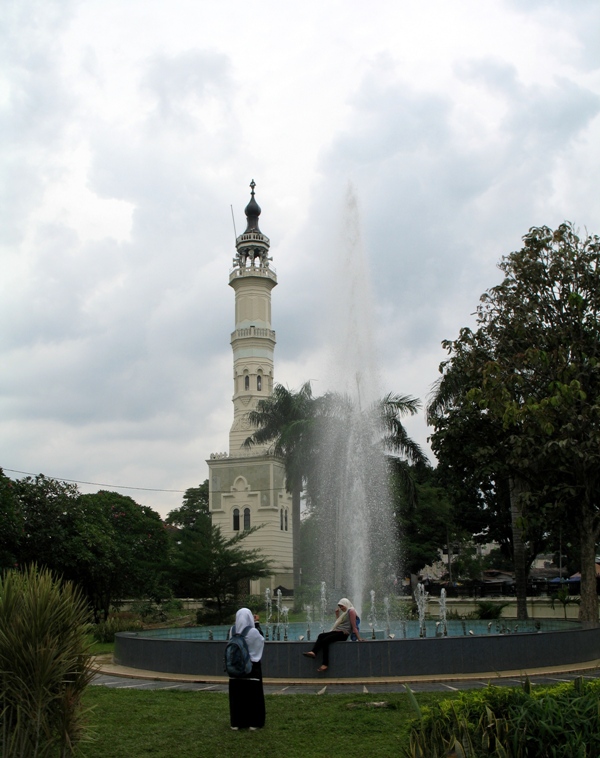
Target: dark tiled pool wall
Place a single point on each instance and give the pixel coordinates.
(374, 658)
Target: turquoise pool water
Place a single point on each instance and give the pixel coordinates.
(298, 631)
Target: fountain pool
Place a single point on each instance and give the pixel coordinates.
(479, 651)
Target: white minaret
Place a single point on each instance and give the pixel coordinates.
(247, 485)
(253, 340)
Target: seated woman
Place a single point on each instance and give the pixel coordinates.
(346, 623)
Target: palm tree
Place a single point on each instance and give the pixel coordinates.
(401, 449)
(286, 419)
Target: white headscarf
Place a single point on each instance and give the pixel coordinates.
(254, 638)
(342, 616)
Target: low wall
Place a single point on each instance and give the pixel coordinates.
(537, 607)
(376, 658)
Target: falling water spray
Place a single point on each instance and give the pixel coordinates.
(351, 499)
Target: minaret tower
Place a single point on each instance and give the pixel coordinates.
(247, 485)
(253, 340)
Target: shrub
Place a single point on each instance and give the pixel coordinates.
(153, 612)
(551, 722)
(212, 613)
(45, 665)
(105, 631)
(256, 603)
(487, 609)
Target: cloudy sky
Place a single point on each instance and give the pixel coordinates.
(130, 128)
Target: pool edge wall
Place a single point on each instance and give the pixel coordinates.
(376, 658)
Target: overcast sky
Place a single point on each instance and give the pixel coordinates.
(130, 128)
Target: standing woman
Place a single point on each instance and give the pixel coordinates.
(345, 624)
(246, 696)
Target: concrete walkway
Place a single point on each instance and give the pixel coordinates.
(113, 675)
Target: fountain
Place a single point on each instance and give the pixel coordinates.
(351, 503)
(284, 620)
(421, 598)
(348, 491)
(278, 606)
(444, 612)
(323, 604)
(411, 649)
(308, 620)
(386, 610)
(372, 614)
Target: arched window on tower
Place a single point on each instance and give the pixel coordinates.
(246, 518)
(286, 519)
(246, 382)
(259, 383)
(281, 519)
(236, 519)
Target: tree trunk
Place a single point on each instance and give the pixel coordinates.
(588, 610)
(516, 513)
(296, 498)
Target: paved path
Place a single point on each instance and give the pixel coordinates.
(119, 677)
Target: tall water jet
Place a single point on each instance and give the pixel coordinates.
(443, 612)
(421, 598)
(323, 604)
(349, 496)
(268, 609)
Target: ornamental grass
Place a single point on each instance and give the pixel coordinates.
(45, 665)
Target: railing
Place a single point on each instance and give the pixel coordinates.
(253, 237)
(252, 453)
(253, 331)
(269, 272)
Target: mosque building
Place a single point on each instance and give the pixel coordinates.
(247, 485)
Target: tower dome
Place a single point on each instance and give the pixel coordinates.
(252, 212)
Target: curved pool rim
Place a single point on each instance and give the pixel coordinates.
(575, 645)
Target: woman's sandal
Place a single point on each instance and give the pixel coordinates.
(309, 654)
(322, 668)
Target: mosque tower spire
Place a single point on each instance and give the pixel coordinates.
(253, 340)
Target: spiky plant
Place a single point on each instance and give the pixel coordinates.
(45, 665)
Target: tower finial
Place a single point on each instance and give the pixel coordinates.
(252, 211)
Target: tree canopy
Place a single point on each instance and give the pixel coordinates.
(531, 371)
(106, 543)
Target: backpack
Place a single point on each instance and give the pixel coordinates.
(237, 656)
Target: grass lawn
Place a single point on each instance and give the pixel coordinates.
(190, 724)
(101, 648)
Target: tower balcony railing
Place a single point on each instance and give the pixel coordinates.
(252, 453)
(253, 331)
(253, 237)
(269, 272)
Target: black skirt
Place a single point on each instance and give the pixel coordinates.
(247, 700)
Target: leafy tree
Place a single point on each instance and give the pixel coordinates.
(208, 565)
(122, 550)
(104, 542)
(10, 517)
(425, 521)
(473, 452)
(194, 510)
(45, 508)
(533, 367)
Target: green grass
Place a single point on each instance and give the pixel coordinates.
(196, 724)
(101, 648)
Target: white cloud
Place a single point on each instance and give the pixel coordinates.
(129, 129)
